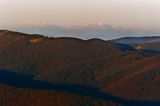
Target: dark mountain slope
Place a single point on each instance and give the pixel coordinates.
(142, 83)
(95, 72)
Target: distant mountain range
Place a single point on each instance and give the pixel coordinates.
(88, 31)
(50, 71)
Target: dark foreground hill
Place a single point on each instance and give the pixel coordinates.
(94, 68)
(11, 96)
(20, 89)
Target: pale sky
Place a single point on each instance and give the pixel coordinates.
(131, 14)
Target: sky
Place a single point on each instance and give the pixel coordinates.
(128, 14)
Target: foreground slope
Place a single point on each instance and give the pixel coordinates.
(11, 96)
(32, 92)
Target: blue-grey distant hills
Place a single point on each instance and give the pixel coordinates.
(105, 32)
(147, 43)
(137, 40)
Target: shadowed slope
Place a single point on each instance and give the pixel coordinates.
(11, 96)
(15, 79)
(142, 84)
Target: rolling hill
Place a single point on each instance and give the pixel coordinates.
(38, 53)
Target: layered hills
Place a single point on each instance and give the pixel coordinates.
(71, 67)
